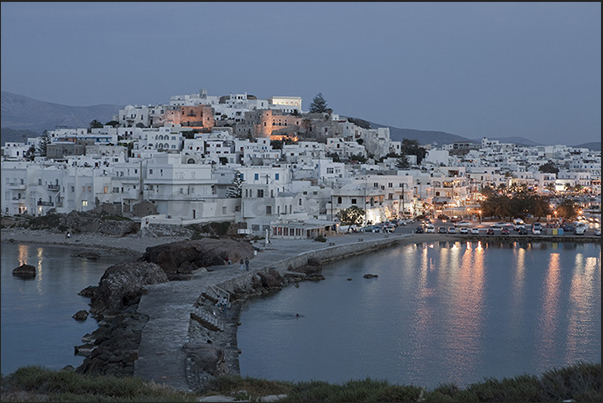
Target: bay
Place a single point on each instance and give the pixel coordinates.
(436, 313)
(37, 327)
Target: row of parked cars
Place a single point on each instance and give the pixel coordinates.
(505, 229)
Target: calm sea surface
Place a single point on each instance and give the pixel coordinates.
(37, 325)
(436, 313)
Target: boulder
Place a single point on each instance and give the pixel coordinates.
(88, 292)
(88, 255)
(270, 279)
(121, 285)
(80, 315)
(179, 258)
(25, 271)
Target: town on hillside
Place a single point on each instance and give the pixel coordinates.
(274, 169)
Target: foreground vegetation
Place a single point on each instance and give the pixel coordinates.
(578, 383)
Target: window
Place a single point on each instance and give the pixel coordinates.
(276, 176)
(354, 201)
(256, 176)
(260, 192)
(223, 210)
(339, 200)
(84, 203)
(268, 210)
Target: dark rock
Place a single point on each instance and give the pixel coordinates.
(25, 271)
(314, 261)
(88, 292)
(80, 315)
(84, 350)
(183, 257)
(121, 285)
(88, 255)
(370, 276)
(271, 279)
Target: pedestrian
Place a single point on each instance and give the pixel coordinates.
(242, 266)
(246, 264)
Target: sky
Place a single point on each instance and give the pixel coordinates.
(493, 70)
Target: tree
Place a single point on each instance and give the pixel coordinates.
(353, 215)
(30, 154)
(411, 147)
(319, 104)
(402, 162)
(234, 191)
(113, 123)
(548, 168)
(44, 142)
(567, 209)
(95, 124)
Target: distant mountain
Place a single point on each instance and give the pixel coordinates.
(593, 145)
(522, 141)
(22, 113)
(423, 137)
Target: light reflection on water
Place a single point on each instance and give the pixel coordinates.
(437, 313)
(37, 325)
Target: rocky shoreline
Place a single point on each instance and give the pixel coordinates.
(211, 349)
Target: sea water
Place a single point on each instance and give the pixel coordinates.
(36, 318)
(436, 313)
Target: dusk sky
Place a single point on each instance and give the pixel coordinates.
(530, 70)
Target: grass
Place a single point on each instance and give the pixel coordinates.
(579, 383)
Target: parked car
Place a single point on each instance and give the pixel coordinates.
(504, 231)
(580, 230)
(598, 232)
(536, 230)
(419, 230)
(389, 228)
(451, 230)
(430, 229)
(568, 227)
(370, 228)
(518, 221)
(441, 230)
(490, 231)
(523, 231)
(464, 230)
(475, 231)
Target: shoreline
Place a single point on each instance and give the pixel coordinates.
(133, 245)
(277, 255)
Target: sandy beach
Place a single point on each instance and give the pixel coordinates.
(129, 245)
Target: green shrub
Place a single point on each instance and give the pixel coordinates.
(320, 238)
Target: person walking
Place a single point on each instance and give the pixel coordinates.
(242, 266)
(246, 264)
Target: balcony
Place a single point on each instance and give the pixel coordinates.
(45, 203)
(54, 188)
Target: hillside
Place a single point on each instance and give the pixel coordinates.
(24, 117)
(22, 113)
